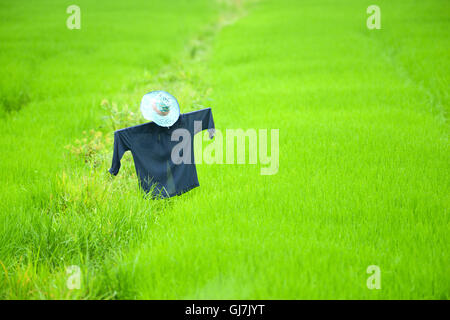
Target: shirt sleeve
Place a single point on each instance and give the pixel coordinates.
(207, 122)
(122, 143)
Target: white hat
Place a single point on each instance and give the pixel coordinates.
(160, 107)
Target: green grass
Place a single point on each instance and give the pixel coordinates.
(364, 159)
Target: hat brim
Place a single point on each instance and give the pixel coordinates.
(150, 114)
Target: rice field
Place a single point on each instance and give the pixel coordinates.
(363, 175)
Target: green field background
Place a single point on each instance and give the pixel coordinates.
(363, 174)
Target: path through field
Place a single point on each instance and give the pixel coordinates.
(363, 150)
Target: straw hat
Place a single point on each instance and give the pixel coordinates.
(160, 107)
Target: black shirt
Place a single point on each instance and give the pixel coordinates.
(151, 147)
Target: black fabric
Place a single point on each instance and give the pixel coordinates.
(151, 147)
